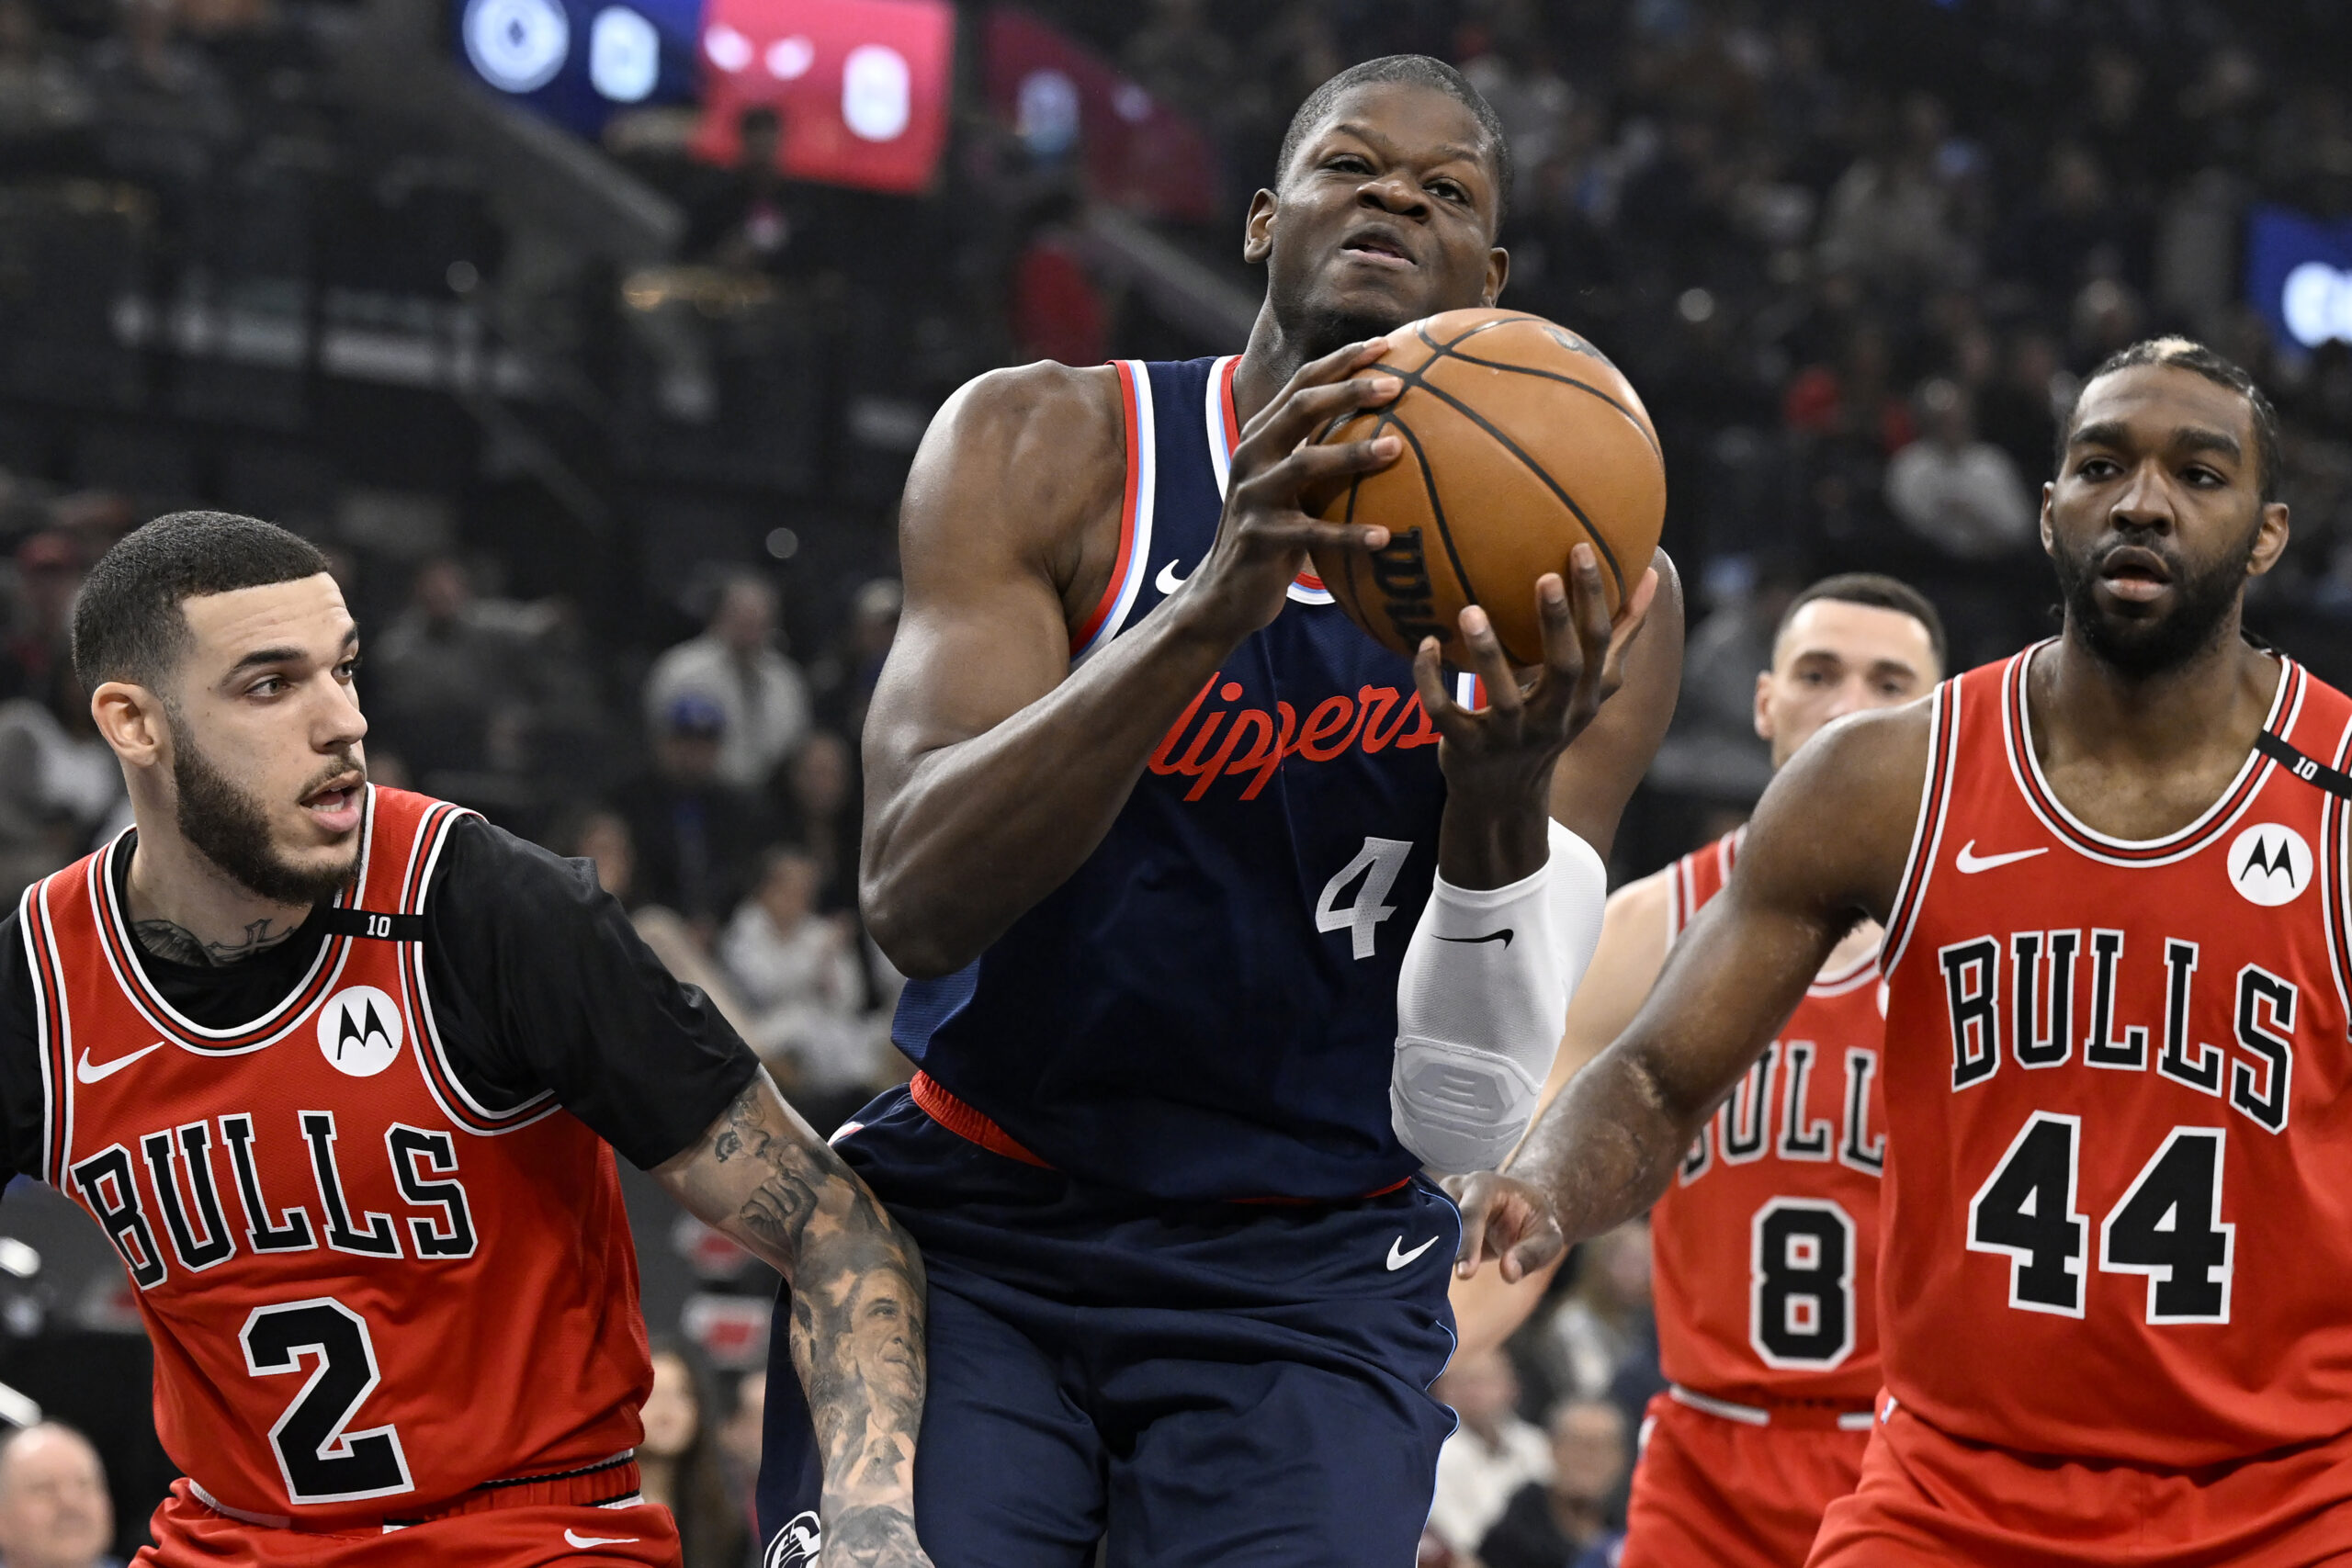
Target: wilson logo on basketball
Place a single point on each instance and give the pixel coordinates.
(1401, 575)
(1252, 743)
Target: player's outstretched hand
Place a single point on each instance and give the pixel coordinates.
(1508, 1220)
(1510, 745)
(1264, 536)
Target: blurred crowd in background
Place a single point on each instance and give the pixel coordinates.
(612, 504)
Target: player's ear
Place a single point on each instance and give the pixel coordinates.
(1257, 231)
(2270, 539)
(130, 720)
(2048, 489)
(1764, 705)
(1498, 273)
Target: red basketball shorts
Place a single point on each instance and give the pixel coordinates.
(555, 1535)
(1731, 1493)
(1926, 1497)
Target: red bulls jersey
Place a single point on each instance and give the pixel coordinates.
(367, 1294)
(2119, 1192)
(1766, 1247)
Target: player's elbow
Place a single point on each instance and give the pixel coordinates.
(913, 931)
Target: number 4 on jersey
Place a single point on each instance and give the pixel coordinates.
(1377, 864)
(2168, 1225)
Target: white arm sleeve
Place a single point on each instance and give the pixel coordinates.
(1482, 1001)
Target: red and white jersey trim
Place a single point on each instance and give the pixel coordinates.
(1683, 896)
(1927, 834)
(1127, 575)
(2025, 767)
(1224, 427)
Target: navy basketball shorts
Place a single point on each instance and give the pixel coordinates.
(1220, 1383)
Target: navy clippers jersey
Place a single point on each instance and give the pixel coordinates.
(1207, 1009)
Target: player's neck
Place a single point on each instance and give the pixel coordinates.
(2219, 697)
(1272, 357)
(184, 909)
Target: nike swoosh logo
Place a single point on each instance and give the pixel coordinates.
(587, 1541)
(1168, 582)
(1398, 1259)
(84, 1073)
(1502, 936)
(1971, 862)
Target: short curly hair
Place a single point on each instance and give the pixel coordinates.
(1422, 70)
(128, 622)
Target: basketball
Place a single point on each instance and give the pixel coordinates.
(1521, 440)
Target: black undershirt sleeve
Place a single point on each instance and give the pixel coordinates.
(20, 1086)
(539, 983)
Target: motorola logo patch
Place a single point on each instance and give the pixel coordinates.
(2269, 865)
(359, 1032)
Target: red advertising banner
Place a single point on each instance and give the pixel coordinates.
(862, 87)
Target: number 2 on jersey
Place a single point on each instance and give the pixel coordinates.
(1377, 864)
(2168, 1225)
(321, 1459)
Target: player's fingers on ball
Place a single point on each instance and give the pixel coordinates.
(1334, 460)
(1336, 365)
(1484, 650)
(1589, 599)
(1286, 532)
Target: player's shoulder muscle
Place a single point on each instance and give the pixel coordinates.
(1836, 824)
(1016, 466)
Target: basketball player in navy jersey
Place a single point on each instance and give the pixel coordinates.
(1153, 826)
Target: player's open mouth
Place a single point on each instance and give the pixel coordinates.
(335, 807)
(1376, 247)
(2135, 574)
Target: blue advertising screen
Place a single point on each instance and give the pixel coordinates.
(2299, 275)
(581, 61)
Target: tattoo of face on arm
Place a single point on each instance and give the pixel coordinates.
(858, 1297)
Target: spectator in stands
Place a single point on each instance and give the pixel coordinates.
(1959, 494)
(50, 566)
(1568, 1521)
(762, 701)
(54, 1510)
(59, 783)
(683, 1465)
(819, 813)
(1889, 215)
(845, 678)
(740, 1435)
(799, 971)
(695, 832)
(41, 96)
(1492, 1453)
(436, 676)
(1183, 59)
(601, 837)
(1602, 1343)
(752, 217)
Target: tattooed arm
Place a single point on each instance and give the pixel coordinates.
(764, 1178)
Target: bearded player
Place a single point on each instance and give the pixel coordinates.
(1178, 857)
(341, 1071)
(1766, 1244)
(2112, 874)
